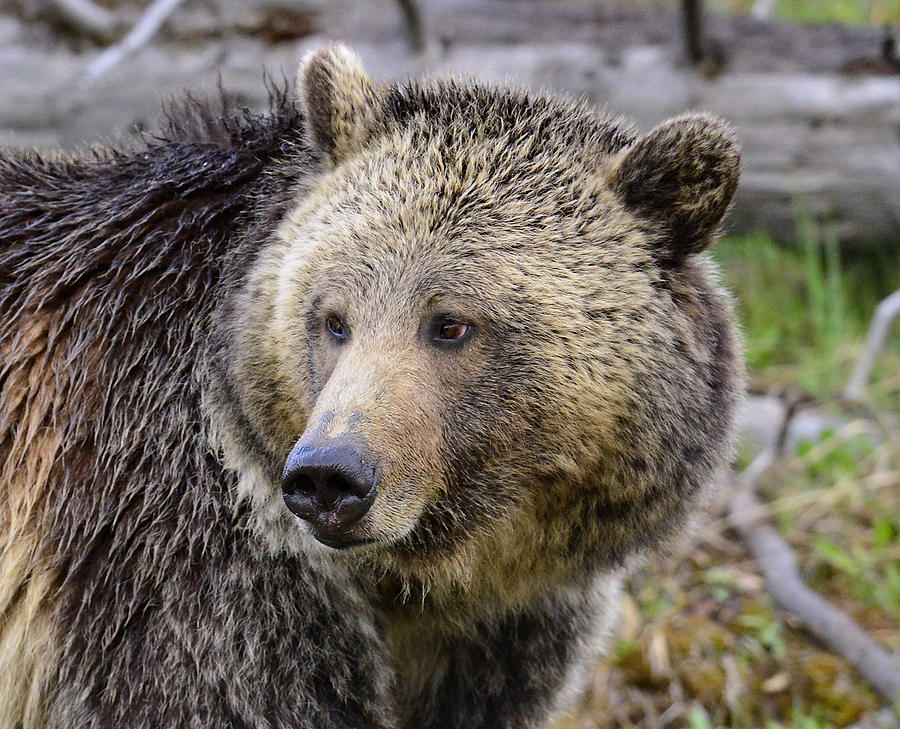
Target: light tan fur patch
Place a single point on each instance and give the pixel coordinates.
(29, 445)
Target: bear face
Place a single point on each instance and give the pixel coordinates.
(482, 334)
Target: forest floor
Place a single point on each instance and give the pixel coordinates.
(702, 643)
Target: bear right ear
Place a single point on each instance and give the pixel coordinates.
(340, 102)
(681, 176)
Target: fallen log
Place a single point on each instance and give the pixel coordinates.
(816, 107)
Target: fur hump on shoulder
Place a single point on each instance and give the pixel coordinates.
(221, 120)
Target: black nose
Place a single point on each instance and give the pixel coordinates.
(331, 485)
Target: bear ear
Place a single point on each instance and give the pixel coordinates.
(681, 176)
(339, 101)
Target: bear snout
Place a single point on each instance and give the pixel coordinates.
(331, 485)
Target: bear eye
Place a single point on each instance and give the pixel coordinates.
(336, 327)
(451, 331)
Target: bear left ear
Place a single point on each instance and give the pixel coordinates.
(340, 102)
(681, 176)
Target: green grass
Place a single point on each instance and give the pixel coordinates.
(875, 12)
(706, 646)
(854, 553)
(703, 644)
(848, 12)
(806, 309)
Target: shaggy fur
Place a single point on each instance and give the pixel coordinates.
(164, 347)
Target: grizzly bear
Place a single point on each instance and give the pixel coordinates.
(352, 414)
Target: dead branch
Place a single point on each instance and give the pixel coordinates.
(692, 14)
(774, 451)
(146, 27)
(885, 313)
(834, 628)
(87, 17)
(412, 21)
(884, 719)
(750, 518)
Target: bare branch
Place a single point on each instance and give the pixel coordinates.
(749, 517)
(887, 311)
(692, 15)
(412, 20)
(145, 28)
(884, 719)
(87, 17)
(774, 451)
(834, 628)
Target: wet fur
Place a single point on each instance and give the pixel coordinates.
(161, 356)
(133, 593)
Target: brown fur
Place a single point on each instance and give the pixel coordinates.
(164, 348)
(29, 444)
(132, 592)
(579, 426)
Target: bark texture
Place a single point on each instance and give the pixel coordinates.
(816, 107)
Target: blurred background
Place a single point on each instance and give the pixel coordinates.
(722, 632)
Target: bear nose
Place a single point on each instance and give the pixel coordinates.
(330, 485)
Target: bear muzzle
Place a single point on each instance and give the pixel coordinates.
(331, 485)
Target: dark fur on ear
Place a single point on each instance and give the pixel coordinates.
(339, 100)
(682, 176)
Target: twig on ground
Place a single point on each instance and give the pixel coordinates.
(87, 17)
(146, 27)
(834, 628)
(774, 451)
(884, 719)
(749, 517)
(885, 313)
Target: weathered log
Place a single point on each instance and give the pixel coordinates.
(884, 719)
(818, 135)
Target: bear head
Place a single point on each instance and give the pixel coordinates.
(482, 333)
